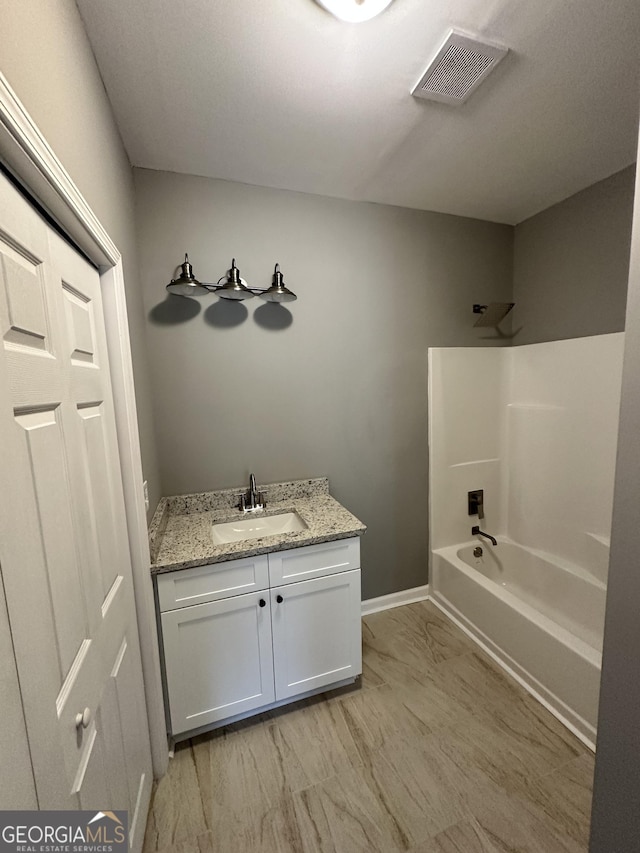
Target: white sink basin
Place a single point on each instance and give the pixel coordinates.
(255, 527)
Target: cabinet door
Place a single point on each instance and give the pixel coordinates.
(218, 660)
(316, 633)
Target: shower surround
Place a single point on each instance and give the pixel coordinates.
(536, 428)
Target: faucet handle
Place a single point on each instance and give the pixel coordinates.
(242, 504)
(476, 502)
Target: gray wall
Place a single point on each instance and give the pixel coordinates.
(47, 59)
(571, 264)
(616, 802)
(342, 390)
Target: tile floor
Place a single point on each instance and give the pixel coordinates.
(435, 751)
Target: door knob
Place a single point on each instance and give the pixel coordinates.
(279, 599)
(262, 602)
(83, 719)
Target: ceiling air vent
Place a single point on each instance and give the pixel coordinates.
(461, 64)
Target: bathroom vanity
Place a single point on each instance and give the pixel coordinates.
(248, 625)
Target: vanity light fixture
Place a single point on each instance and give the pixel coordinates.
(186, 284)
(278, 292)
(234, 286)
(354, 11)
(492, 314)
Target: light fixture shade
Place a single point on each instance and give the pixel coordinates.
(354, 11)
(492, 314)
(186, 284)
(278, 292)
(234, 286)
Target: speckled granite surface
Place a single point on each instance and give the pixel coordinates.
(180, 531)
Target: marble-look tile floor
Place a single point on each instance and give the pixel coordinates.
(436, 750)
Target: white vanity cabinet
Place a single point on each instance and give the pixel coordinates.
(229, 652)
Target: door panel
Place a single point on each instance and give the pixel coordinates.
(132, 718)
(26, 321)
(80, 325)
(114, 760)
(45, 449)
(119, 730)
(93, 455)
(316, 633)
(63, 536)
(218, 660)
(92, 786)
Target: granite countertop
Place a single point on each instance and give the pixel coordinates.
(180, 531)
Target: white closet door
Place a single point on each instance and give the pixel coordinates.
(63, 537)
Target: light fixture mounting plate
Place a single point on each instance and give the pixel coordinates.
(354, 11)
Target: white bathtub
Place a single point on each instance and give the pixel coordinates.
(539, 617)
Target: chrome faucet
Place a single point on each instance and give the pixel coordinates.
(253, 500)
(477, 532)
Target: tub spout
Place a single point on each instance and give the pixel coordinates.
(477, 532)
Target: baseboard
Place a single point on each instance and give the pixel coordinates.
(395, 599)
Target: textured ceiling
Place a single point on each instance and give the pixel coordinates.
(281, 94)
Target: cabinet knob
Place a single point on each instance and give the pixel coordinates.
(262, 602)
(83, 719)
(279, 599)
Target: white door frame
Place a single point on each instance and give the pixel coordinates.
(27, 154)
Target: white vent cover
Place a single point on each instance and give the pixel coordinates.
(461, 64)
